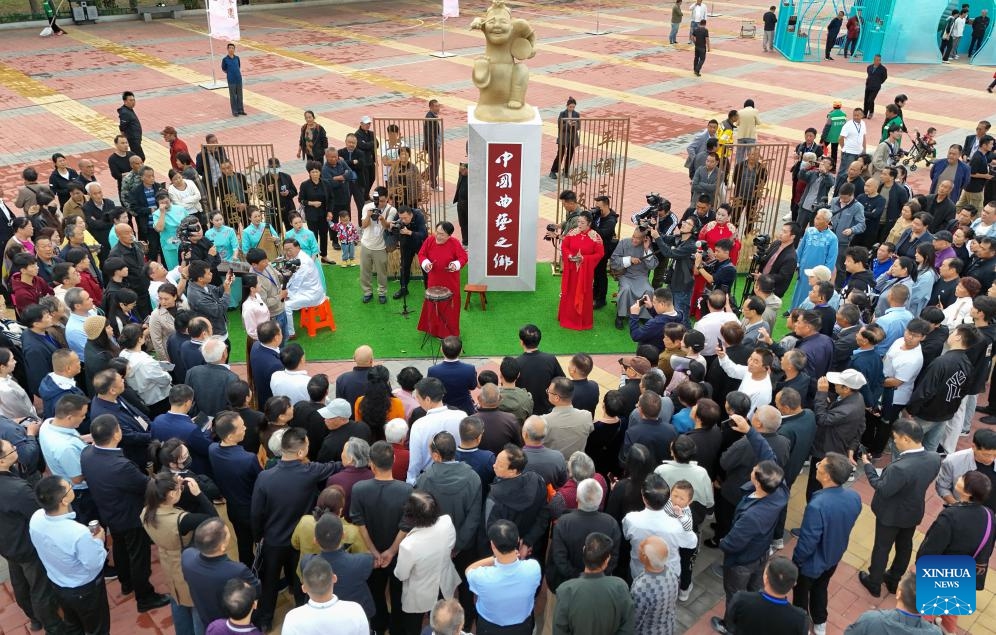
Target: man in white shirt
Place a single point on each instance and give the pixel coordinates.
(957, 30)
(305, 288)
(438, 418)
(985, 224)
(719, 314)
(902, 363)
(699, 13)
(324, 612)
(656, 520)
(376, 220)
(292, 382)
(755, 376)
(852, 140)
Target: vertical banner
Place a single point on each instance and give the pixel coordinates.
(504, 196)
(451, 8)
(223, 20)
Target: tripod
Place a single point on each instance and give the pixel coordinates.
(755, 267)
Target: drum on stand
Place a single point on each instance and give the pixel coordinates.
(436, 296)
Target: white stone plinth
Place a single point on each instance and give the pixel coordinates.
(519, 198)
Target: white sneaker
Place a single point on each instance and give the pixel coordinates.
(778, 544)
(820, 629)
(684, 595)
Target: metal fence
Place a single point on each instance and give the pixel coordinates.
(235, 179)
(591, 160)
(753, 176)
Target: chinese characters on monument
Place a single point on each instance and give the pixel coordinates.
(504, 201)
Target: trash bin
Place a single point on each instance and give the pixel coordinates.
(84, 13)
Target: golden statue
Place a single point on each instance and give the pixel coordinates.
(501, 80)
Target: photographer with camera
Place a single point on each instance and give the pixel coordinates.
(680, 249)
(376, 220)
(195, 246)
(661, 307)
(721, 273)
(411, 232)
(604, 223)
(206, 299)
(657, 215)
(269, 286)
(304, 286)
(633, 260)
(569, 200)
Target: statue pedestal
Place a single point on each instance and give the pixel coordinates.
(503, 181)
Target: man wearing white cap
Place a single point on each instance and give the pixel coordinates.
(338, 419)
(839, 422)
(818, 274)
(366, 143)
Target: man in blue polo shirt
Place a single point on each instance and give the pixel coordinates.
(232, 66)
(505, 586)
(62, 445)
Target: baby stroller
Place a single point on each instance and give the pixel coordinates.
(922, 150)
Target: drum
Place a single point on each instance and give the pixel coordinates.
(438, 294)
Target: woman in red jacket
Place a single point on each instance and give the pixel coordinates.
(27, 287)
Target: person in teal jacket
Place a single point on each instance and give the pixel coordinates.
(253, 232)
(223, 237)
(303, 235)
(166, 220)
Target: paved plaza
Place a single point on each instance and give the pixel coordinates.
(372, 58)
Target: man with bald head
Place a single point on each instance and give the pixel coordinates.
(129, 250)
(655, 591)
(500, 427)
(86, 174)
(547, 462)
(352, 384)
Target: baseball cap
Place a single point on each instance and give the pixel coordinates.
(820, 272)
(336, 408)
(851, 378)
(837, 103)
(637, 363)
(366, 119)
(169, 130)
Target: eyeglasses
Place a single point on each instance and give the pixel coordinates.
(4, 456)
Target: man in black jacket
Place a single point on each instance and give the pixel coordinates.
(604, 224)
(32, 590)
(898, 504)
(858, 277)
(781, 261)
(980, 24)
(128, 123)
(357, 162)
(366, 142)
(129, 250)
(845, 341)
(982, 265)
(940, 389)
(680, 249)
(117, 487)
(279, 498)
(536, 368)
(877, 74)
(462, 200)
(566, 560)
(839, 423)
(518, 496)
(412, 232)
(207, 569)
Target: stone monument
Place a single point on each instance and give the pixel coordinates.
(504, 157)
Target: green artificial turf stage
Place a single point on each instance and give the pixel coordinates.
(485, 333)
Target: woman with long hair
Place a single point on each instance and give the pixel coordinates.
(965, 528)
(100, 348)
(162, 322)
(121, 310)
(626, 495)
(15, 404)
(926, 276)
(376, 406)
(171, 529)
(278, 412)
(146, 376)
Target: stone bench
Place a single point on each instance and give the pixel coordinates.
(172, 10)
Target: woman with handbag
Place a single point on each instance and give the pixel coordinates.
(966, 528)
(171, 529)
(313, 142)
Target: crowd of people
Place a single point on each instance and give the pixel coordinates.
(453, 497)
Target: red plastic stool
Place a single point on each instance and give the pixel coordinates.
(317, 317)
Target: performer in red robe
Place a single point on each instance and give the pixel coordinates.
(442, 258)
(582, 249)
(712, 233)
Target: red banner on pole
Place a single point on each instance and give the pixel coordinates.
(504, 182)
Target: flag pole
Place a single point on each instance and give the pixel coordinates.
(214, 84)
(598, 30)
(442, 42)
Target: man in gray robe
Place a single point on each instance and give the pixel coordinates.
(632, 260)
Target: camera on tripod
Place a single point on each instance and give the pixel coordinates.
(646, 218)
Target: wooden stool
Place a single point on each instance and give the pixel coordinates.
(317, 317)
(481, 290)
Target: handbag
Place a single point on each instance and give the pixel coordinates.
(42, 196)
(981, 569)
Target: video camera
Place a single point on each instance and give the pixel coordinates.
(646, 218)
(551, 228)
(189, 225)
(286, 267)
